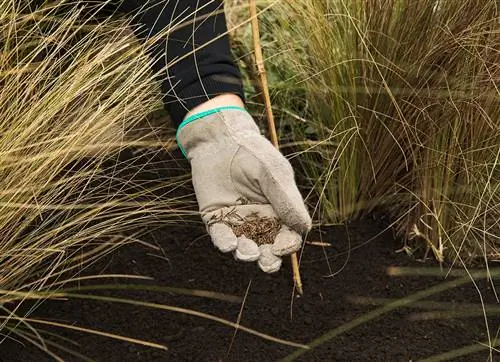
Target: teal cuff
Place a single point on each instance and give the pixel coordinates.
(197, 116)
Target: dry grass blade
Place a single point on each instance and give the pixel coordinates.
(33, 340)
(91, 331)
(154, 288)
(191, 312)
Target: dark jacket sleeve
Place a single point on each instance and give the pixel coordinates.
(202, 73)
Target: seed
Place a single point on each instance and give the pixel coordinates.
(261, 229)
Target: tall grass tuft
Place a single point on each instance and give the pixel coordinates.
(72, 90)
(398, 109)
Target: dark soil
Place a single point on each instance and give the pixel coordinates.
(326, 304)
(359, 257)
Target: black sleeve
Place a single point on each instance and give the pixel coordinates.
(204, 73)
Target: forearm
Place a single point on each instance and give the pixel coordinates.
(194, 60)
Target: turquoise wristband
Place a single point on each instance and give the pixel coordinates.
(197, 116)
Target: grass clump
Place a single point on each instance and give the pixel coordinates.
(393, 106)
(72, 90)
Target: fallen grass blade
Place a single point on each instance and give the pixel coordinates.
(238, 319)
(188, 312)
(43, 347)
(33, 340)
(9, 295)
(156, 288)
(91, 331)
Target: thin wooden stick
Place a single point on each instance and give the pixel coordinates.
(270, 118)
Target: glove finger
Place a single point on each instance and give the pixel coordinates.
(286, 242)
(223, 237)
(246, 250)
(268, 262)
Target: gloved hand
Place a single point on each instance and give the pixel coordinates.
(237, 173)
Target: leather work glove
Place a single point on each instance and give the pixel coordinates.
(239, 175)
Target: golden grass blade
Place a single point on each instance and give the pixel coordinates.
(32, 340)
(238, 319)
(92, 331)
(155, 288)
(188, 312)
(10, 295)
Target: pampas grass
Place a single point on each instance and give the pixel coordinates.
(72, 91)
(393, 106)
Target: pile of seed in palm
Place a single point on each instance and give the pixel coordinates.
(261, 229)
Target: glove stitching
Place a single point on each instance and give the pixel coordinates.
(235, 186)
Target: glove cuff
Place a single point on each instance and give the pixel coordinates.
(212, 127)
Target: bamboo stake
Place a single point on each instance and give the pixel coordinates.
(270, 118)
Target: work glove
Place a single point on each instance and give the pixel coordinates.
(238, 175)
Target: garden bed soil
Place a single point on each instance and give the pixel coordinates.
(358, 260)
(188, 260)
